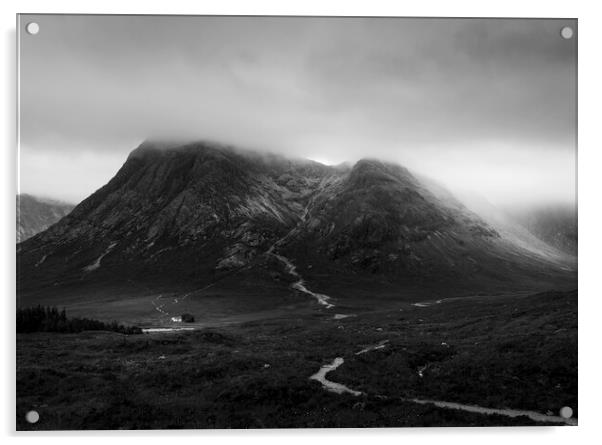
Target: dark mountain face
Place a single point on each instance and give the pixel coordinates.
(182, 215)
(35, 215)
(381, 219)
(189, 215)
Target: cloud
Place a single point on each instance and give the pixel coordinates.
(415, 91)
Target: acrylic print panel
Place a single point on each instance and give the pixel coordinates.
(296, 222)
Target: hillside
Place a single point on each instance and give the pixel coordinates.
(179, 218)
(35, 215)
(554, 224)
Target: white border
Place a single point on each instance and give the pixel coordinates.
(590, 215)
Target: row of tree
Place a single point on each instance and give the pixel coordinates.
(50, 319)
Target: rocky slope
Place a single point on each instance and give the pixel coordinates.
(35, 215)
(184, 216)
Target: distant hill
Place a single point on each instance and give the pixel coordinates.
(183, 216)
(35, 215)
(554, 224)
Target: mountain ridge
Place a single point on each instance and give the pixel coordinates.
(188, 215)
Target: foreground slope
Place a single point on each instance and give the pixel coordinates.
(505, 353)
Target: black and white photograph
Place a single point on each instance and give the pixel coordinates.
(259, 222)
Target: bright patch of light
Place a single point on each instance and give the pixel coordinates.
(324, 161)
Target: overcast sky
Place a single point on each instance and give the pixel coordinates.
(483, 105)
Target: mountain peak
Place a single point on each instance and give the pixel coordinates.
(156, 147)
(371, 172)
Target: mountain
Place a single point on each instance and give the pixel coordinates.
(35, 214)
(188, 216)
(178, 217)
(554, 224)
(511, 224)
(380, 219)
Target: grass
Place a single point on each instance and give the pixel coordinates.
(509, 351)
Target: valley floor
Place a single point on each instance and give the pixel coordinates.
(510, 352)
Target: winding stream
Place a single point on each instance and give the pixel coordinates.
(533, 415)
(322, 299)
(342, 316)
(380, 345)
(291, 269)
(299, 285)
(339, 388)
(96, 264)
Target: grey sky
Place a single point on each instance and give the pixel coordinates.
(486, 105)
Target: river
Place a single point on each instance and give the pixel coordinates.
(339, 388)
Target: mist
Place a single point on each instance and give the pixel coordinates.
(481, 105)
